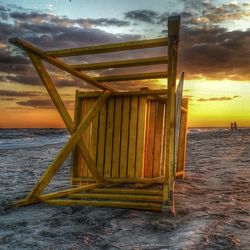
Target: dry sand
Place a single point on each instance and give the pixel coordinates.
(213, 205)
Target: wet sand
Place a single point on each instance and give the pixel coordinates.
(213, 207)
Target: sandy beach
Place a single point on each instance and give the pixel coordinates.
(213, 208)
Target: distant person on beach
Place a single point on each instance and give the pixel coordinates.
(232, 126)
(235, 125)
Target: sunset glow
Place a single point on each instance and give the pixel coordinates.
(214, 54)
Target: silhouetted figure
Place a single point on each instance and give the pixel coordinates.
(232, 126)
(235, 125)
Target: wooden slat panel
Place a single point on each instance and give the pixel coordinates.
(149, 163)
(158, 140)
(109, 138)
(132, 137)
(117, 137)
(101, 139)
(124, 137)
(142, 112)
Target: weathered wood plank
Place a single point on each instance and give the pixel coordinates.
(57, 194)
(106, 48)
(117, 204)
(138, 76)
(75, 161)
(138, 191)
(117, 137)
(173, 36)
(109, 138)
(182, 144)
(178, 101)
(102, 139)
(150, 139)
(158, 140)
(143, 92)
(88, 133)
(94, 136)
(133, 121)
(123, 63)
(114, 197)
(124, 180)
(84, 166)
(124, 137)
(141, 137)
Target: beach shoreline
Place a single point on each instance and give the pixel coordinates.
(212, 204)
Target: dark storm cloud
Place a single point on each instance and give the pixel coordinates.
(224, 98)
(49, 32)
(14, 93)
(147, 16)
(5, 30)
(7, 58)
(215, 53)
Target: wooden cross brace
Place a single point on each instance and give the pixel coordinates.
(36, 55)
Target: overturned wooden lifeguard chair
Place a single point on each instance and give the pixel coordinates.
(127, 146)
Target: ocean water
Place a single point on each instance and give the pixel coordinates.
(30, 138)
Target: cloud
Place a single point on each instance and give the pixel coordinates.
(206, 51)
(7, 99)
(205, 12)
(46, 18)
(147, 16)
(42, 103)
(215, 53)
(224, 98)
(46, 104)
(49, 32)
(13, 93)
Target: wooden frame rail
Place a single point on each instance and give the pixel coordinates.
(122, 64)
(107, 48)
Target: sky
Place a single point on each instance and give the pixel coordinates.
(214, 53)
